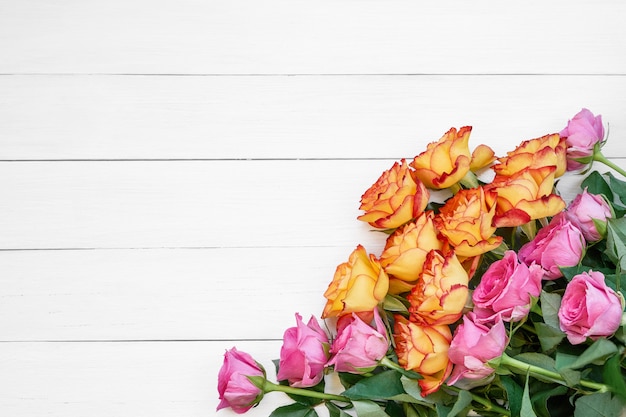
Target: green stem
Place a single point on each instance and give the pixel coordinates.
(269, 387)
(523, 367)
(489, 406)
(601, 158)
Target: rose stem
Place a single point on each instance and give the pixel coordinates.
(601, 158)
(523, 367)
(489, 406)
(269, 387)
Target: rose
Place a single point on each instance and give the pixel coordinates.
(535, 153)
(559, 244)
(584, 209)
(304, 354)
(235, 389)
(394, 199)
(405, 252)
(445, 162)
(506, 288)
(423, 349)
(582, 134)
(441, 292)
(465, 220)
(358, 285)
(525, 196)
(358, 346)
(473, 345)
(589, 308)
(482, 156)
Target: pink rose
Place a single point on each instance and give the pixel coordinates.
(582, 133)
(560, 244)
(584, 209)
(505, 289)
(304, 354)
(235, 389)
(589, 308)
(473, 345)
(359, 347)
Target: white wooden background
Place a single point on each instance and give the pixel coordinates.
(179, 177)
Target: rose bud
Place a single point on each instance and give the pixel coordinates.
(405, 252)
(473, 345)
(584, 209)
(466, 221)
(304, 354)
(423, 349)
(549, 150)
(441, 292)
(560, 244)
(358, 346)
(445, 162)
(505, 289)
(358, 285)
(589, 308)
(525, 196)
(582, 134)
(396, 198)
(235, 389)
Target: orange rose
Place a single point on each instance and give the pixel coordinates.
(405, 252)
(358, 285)
(423, 349)
(482, 156)
(536, 153)
(441, 292)
(525, 196)
(465, 220)
(444, 163)
(396, 198)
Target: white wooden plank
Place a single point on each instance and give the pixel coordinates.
(286, 36)
(117, 117)
(203, 294)
(122, 379)
(287, 203)
(184, 204)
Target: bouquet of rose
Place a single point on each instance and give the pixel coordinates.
(492, 296)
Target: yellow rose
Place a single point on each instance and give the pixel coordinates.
(423, 349)
(445, 162)
(525, 196)
(535, 153)
(482, 156)
(465, 220)
(405, 252)
(441, 292)
(395, 198)
(358, 285)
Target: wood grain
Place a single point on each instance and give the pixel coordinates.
(306, 37)
(166, 117)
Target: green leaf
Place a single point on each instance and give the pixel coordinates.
(549, 337)
(366, 408)
(550, 304)
(335, 411)
(596, 184)
(513, 394)
(394, 303)
(541, 397)
(598, 405)
(462, 402)
(527, 406)
(537, 359)
(385, 385)
(599, 350)
(294, 410)
(616, 242)
(613, 377)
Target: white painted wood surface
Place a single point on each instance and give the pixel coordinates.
(180, 177)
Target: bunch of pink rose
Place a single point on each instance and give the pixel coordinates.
(502, 299)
